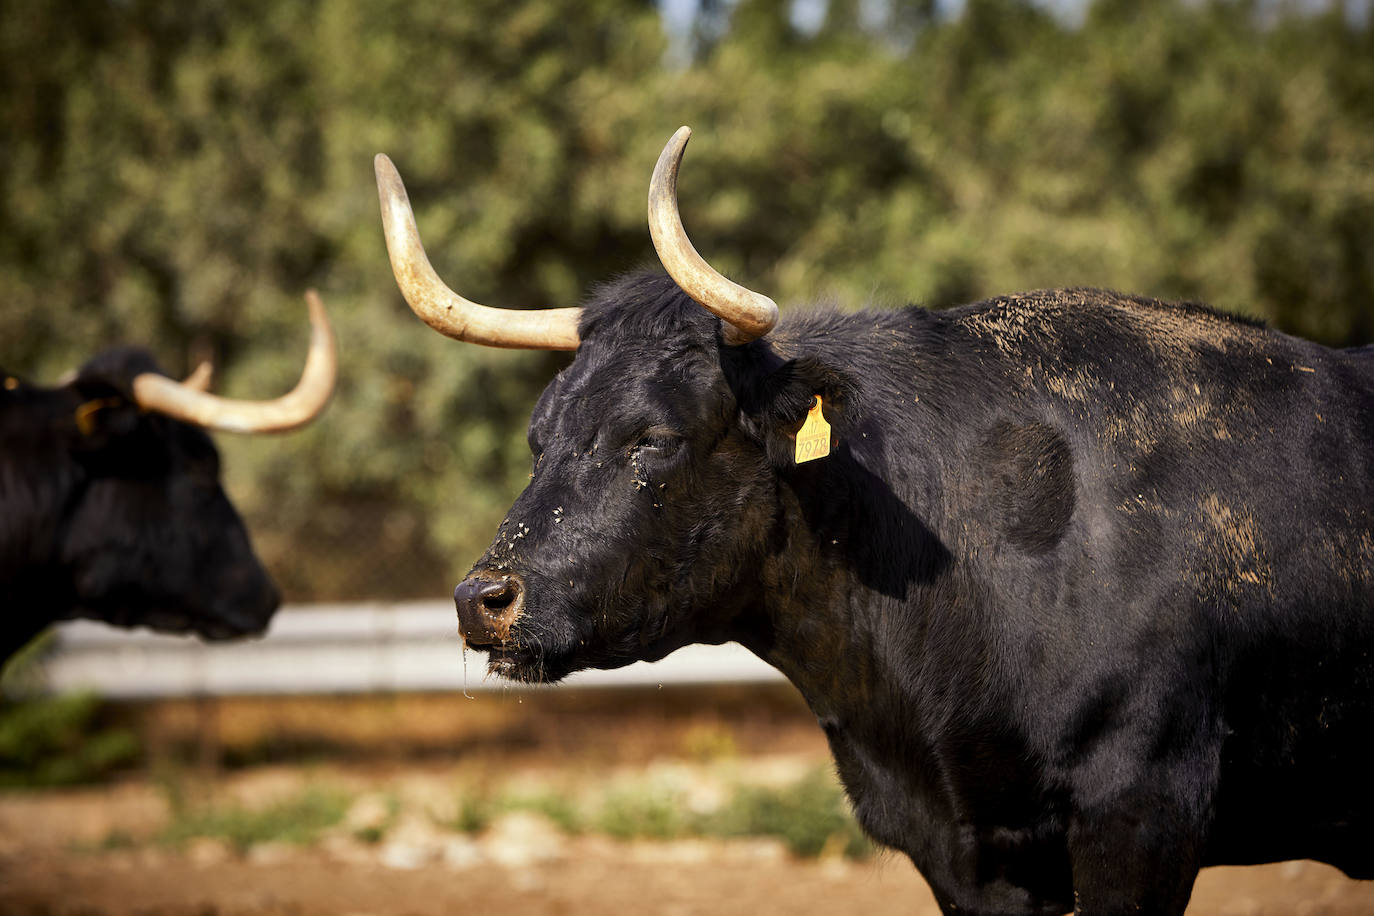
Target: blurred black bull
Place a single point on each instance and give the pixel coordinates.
(110, 500)
(1083, 597)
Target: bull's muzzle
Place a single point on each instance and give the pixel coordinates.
(488, 605)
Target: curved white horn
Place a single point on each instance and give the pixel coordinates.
(747, 314)
(302, 404)
(443, 309)
(201, 377)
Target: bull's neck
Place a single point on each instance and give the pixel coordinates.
(847, 594)
(38, 483)
(862, 558)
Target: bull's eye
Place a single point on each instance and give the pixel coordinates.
(657, 442)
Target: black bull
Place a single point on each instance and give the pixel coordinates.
(110, 500)
(1083, 598)
(111, 512)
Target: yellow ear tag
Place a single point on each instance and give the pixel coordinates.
(85, 414)
(813, 439)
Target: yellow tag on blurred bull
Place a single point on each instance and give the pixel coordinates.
(813, 439)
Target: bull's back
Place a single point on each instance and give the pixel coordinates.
(1295, 647)
(1221, 541)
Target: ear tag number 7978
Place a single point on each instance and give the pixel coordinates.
(813, 439)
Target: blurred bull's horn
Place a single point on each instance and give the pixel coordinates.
(201, 377)
(443, 309)
(747, 314)
(186, 401)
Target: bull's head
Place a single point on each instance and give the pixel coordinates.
(145, 535)
(652, 500)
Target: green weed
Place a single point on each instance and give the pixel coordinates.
(297, 820)
(640, 814)
(808, 817)
(59, 741)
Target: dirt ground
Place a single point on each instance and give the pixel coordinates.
(711, 882)
(56, 858)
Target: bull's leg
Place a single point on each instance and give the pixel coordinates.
(1139, 849)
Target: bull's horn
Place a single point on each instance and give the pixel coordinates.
(201, 377)
(183, 401)
(747, 314)
(440, 307)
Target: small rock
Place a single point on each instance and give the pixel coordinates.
(344, 848)
(461, 852)
(412, 843)
(121, 860)
(417, 829)
(369, 812)
(705, 797)
(204, 851)
(672, 852)
(270, 853)
(405, 856)
(150, 858)
(523, 838)
(760, 849)
(527, 881)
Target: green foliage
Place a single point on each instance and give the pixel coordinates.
(297, 820)
(706, 743)
(475, 813)
(21, 675)
(374, 833)
(561, 811)
(369, 835)
(633, 813)
(477, 810)
(809, 817)
(117, 839)
(59, 741)
(177, 174)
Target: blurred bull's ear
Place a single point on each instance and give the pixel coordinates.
(103, 415)
(776, 405)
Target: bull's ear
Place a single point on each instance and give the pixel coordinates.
(102, 418)
(776, 404)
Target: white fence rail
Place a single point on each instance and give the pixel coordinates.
(337, 648)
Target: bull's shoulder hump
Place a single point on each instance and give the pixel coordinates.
(1048, 315)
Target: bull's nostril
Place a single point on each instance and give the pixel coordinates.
(487, 607)
(499, 596)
